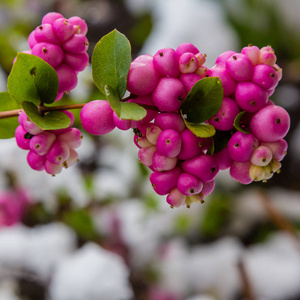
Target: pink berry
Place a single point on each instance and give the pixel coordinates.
(203, 167)
(28, 125)
(270, 124)
(72, 159)
(208, 187)
(239, 67)
(175, 198)
(35, 161)
(31, 39)
(63, 29)
(72, 137)
(250, 97)
(278, 148)
(169, 94)
(58, 153)
(77, 61)
(79, 25)
(146, 155)
(41, 143)
(164, 182)
(189, 80)
(142, 77)
(224, 119)
(78, 43)
(97, 117)
(222, 58)
(142, 142)
(265, 76)
(45, 34)
(223, 159)
(162, 163)
(189, 184)
(186, 47)
(188, 63)
(170, 120)
(152, 134)
(51, 17)
(169, 143)
(191, 145)
(241, 146)
(120, 123)
(201, 58)
(261, 156)
(21, 138)
(50, 53)
(240, 172)
(165, 62)
(268, 58)
(67, 78)
(52, 169)
(253, 53)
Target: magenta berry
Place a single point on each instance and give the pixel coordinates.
(165, 62)
(51, 17)
(270, 124)
(191, 145)
(63, 29)
(120, 123)
(28, 125)
(78, 43)
(186, 47)
(189, 184)
(253, 53)
(22, 138)
(164, 182)
(67, 78)
(268, 58)
(31, 40)
(278, 148)
(79, 24)
(188, 63)
(78, 61)
(45, 33)
(35, 161)
(265, 76)
(189, 80)
(250, 97)
(162, 163)
(239, 67)
(223, 159)
(222, 58)
(203, 167)
(58, 153)
(50, 53)
(169, 94)
(72, 137)
(241, 146)
(240, 172)
(41, 143)
(97, 117)
(208, 187)
(169, 143)
(175, 198)
(170, 120)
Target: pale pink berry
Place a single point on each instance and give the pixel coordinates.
(152, 134)
(79, 25)
(186, 47)
(169, 143)
(41, 143)
(72, 159)
(250, 97)
(145, 155)
(239, 67)
(58, 153)
(53, 169)
(50, 53)
(191, 145)
(189, 184)
(256, 173)
(224, 119)
(201, 71)
(175, 198)
(97, 117)
(270, 124)
(241, 146)
(72, 137)
(189, 80)
(170, 120)
(164, 182)
(208, 187)
(268, 58)
(78, 43)
(51, 17)
(203, 167)
(141, 142)
(77, 61)
(142, 77)
(278, 70)
(35, 161)
(162, 163)
(67, 78)
(265, 76)
(201, 57)
(222, 58)
(63, 29)
(188, 63)
(165, 62)
(261, 156)
(253, 53)
(45, 34)
(240, 172)
(169, 94)
(278, 148)
(28, 125)
(21, 138)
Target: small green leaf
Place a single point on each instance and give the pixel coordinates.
(238, 122)
(203, 130)
(32, 79)
(50, 121)
(8, 125)
(124, 110)
(111, 61)
(204, 100)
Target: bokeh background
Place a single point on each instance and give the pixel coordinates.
(97, 231)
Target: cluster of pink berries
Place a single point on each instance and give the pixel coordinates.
(49, 150)
(249, 78)
(62, 43)
(182, 168)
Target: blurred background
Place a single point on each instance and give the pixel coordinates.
(97, 230)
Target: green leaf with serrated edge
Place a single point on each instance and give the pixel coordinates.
(111, 61)
(203, 130)
(132, 111)
(32, 79)
(8, 125)
(204, 100)
(50, 121)
(237, 122)
(113, 99)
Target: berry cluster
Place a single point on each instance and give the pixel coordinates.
(49, 150)
(62, 44)
(182, 168)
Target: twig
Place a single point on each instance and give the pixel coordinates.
(246, 284)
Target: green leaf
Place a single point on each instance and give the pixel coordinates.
(204, 100)
(32, 79)
(124, 110)
(221, 139)
(50, 121)
(8, 125)
(238, 122)
(111, 61)
(203, 130)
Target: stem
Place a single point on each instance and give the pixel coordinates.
(247, 288)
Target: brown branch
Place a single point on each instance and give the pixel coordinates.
(246, 284)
